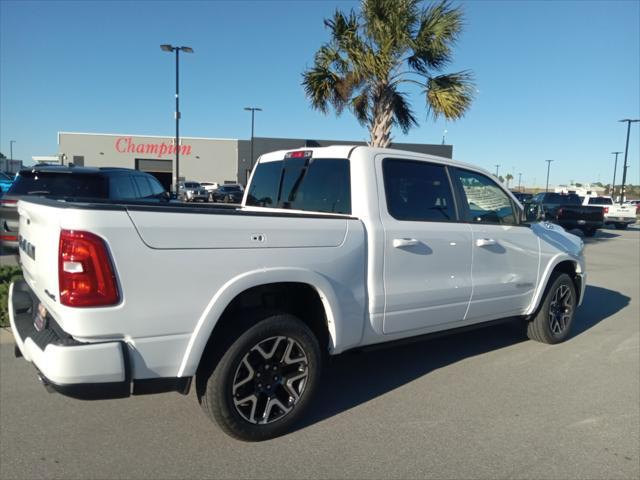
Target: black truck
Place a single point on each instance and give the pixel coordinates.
(565, 210)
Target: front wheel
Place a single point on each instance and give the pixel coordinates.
(265, 380)
(553, 321)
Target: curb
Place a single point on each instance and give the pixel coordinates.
(6, 337)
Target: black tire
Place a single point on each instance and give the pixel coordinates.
(552, 323)
(294, 354)
(621, 226)
(589, 232)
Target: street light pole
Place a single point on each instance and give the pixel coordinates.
(253, 111)
(519, 181)
(11, 142)
(613, 184)
(497, 168)
(171, 48)
(626, 152)
(548, 168)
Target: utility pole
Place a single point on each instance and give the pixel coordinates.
(613, 184)
(11, 142)
(626, 152)
(497, 168)
(253, 111)
(548, 168)
(519, 181)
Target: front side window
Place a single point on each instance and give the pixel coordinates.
(316, 185)
(417, 191)
(486, 201)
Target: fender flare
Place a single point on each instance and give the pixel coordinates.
(255, 278)
(544, 279)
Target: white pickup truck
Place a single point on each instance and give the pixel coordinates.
(621, 216)
(332, 249)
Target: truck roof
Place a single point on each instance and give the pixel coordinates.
(346, 151)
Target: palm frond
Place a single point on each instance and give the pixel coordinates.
(402, 114)
(450, 95)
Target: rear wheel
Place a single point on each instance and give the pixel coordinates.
(621, 226)
(589, 232)
(552, 323)
(264, 381)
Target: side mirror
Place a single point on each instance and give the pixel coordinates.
(532, 212)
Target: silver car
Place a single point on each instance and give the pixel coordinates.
(193, 191)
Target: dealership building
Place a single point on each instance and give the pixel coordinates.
(201, 159)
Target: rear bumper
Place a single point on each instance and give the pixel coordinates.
(613, 220)
(88, 371)
(77, 369)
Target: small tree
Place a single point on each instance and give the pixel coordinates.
(370, 55)
(509, 177)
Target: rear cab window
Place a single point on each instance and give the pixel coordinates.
(600, 201)
(309, 184)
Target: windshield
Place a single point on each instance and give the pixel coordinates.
(600, 201)
(233, 188)
(59, 184)
(564, 199)
(191, 185)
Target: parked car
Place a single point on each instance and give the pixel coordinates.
(566, 210)
(70, 183)
(334, 249)
(5, 182)
(228, 193)
(193, 191)
(522, 197)
(620, 216)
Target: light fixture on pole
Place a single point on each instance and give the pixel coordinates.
(548, 168)
(626, 152)
(253, 111)
(613, 184)
(171, 48)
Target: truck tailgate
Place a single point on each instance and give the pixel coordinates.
(39, 231)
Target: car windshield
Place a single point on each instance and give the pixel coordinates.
(562, 198)
(60, 184)
(231, 188)
(600, 201)
(191, 185)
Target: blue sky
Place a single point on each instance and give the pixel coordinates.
(553, 78)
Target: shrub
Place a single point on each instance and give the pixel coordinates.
(7, 275)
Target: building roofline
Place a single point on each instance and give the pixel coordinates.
(136, 135)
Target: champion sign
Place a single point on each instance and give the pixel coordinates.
(126, 145)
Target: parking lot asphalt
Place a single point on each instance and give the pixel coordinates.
(482, 404)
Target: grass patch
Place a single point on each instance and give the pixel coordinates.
(7, 275)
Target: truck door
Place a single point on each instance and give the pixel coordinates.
(505, 252)
(427, 252)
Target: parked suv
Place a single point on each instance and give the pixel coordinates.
(230, 193)
(192, 191)
(73, 183)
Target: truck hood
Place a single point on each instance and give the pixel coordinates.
(559, 238)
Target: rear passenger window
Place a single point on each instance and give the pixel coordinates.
(417, 191)
(144, 189)
(121, 187)
(486, 201)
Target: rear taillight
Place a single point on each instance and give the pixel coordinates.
(85, 272)
(7, 203)
(606, 209)
(9, 238)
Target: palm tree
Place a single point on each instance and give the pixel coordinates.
(372, 54)
(508, 177)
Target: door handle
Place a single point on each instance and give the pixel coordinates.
(485, 242)
(405, 242)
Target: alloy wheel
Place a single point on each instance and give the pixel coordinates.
(560, 309)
